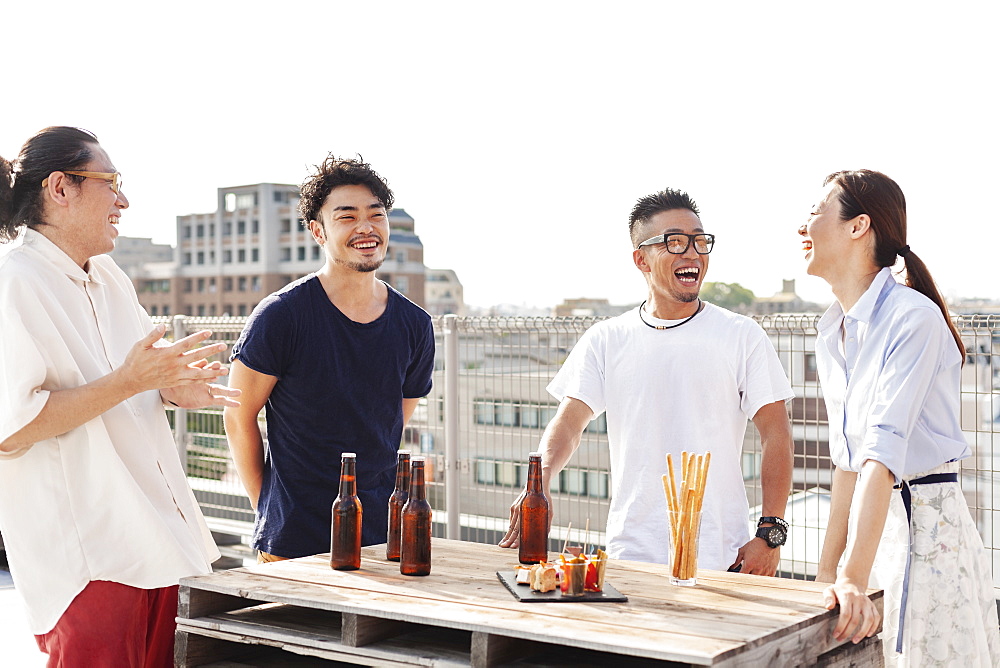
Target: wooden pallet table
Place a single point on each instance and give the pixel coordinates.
(300, 612)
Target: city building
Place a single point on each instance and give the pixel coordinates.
(589, 307)
(785, 301)
(443, 293)
(253, 244)
(131, 253)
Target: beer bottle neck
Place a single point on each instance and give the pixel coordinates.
(348, 480)
(403, 475)
(417, 481)
(535, 475)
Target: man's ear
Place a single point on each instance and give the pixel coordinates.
(318, 233)
(56, 189)
(639, 258)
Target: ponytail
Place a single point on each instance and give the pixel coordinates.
(919, 278)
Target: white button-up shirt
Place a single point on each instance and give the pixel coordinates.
(107, 500)
(891, 377)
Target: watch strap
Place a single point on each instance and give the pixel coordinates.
(773, 520)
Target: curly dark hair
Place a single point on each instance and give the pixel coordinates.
(650, 205)
(51, 150)
(334, 172)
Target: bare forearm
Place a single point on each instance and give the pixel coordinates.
(776, 476)
(557, 447)
(247, 446)
(67, 409)
(867, 519)
(835, 539)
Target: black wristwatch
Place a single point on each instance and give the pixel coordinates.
(774, 536)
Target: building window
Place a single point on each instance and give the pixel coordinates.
(165, 310)
(211, 229)
(187, 232)
(211, 257)
(187, 285)
(485, 411)
(286, 254)
(246, 200)
(186, 258)
(241, 255)
(255, 226)
(211, 310)
(242, 284)
(301, 253)
(230, 201)
(315, 252)
(286, 225)
(227, 309)
(279, 196)
(598, 425)
(241, 227)
(401, 256)
(255, 284)
(227, 229)
(227, 256)
(403, 284)
(201, 285)
(201, 231)
(254, 255)
(211, 284)
(201, 257)
(201, 310)
(227, 284)
(242, 310)
(152, 310)
(810, 367)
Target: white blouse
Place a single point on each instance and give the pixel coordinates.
(107, 500)
(891, 377)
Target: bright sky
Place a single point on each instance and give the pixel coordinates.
(519, 135)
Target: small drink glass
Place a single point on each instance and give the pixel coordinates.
(574, 575)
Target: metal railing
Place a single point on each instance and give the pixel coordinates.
(489, 406)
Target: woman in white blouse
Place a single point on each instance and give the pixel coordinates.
(890, 364)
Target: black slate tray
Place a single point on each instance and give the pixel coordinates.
(524, 594)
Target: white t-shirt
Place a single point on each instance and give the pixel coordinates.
(688, 388)
(105, 501)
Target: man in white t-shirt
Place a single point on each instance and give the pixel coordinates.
(676, 374)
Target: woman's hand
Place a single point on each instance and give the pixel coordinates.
(858, 615)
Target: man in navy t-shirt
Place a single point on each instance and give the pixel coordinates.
(339, 360)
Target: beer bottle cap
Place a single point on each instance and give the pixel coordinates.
(346, 455)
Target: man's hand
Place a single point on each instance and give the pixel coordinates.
(151, 365)
(858, 615)
(202, 395)
(513, 536)
(757, 558)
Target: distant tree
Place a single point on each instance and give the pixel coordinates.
(732, 296)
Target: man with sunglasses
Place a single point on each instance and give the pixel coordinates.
(676, 374)
(98, 519)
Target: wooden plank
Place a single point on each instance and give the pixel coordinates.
(443, 649)
(360, 630)
(866, 654)
(491, 650)
(197, 650)
(192, 602)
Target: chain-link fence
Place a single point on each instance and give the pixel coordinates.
(489, 406)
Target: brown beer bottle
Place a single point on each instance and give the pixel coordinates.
(345, 529)
(533, 546)
(396, 501)
(415, 544)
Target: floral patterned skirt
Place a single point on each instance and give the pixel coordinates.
(951, 616)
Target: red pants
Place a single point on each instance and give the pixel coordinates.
(114, 625)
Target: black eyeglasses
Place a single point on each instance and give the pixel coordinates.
(677, 243)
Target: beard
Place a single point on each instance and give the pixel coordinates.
(362, 267)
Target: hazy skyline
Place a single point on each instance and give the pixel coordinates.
(518, 135)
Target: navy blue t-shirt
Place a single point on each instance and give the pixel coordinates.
(340, 388)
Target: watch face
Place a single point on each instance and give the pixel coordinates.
(775, 536)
